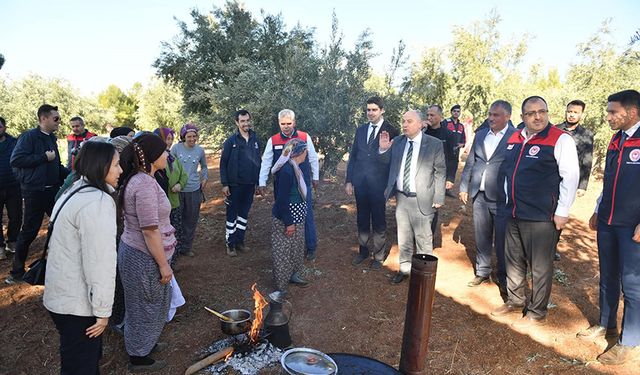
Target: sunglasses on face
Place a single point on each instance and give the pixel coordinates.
(56, 118)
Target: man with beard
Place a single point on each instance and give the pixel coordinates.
(239, 171)
(617, 220)
(367, 178)
(77, 136)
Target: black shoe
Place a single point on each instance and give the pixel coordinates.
(298, 280)
(151, 365)
(399, 277)
(358, 259)
(478, 280)
(375, 265)
(556, 256)
(13, 279)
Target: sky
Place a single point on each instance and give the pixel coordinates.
(93, 44)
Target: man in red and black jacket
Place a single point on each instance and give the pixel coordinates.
(77, 136)
(541, 176)
(617, 220)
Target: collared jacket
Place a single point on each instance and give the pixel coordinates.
(584, 145)
(81, 263)
(231, 168)
(364, 167)
(30, 164)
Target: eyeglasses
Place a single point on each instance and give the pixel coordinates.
(56, 119)
(540, 112)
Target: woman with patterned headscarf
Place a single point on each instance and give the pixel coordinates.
(191, 155)
(288, 215)
(146, 246)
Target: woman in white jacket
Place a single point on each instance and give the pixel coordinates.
(81, 263)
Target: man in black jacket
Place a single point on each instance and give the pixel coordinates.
(367, 177)
(239, 171)
(434, 127)
(9, 193)
(584, 141)
(36, 161)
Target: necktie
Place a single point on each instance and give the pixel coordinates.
(372, 135)
(623, 137)
(407, 169)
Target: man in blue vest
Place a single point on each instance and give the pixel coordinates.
(541, 172)
(239, 170)
(310, 169)
(617, 220)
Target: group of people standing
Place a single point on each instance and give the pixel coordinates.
(523, 181)
(123, 210)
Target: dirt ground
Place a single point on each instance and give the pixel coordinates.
(347, 309)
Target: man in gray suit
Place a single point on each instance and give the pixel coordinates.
(417, 172)
(480, 179)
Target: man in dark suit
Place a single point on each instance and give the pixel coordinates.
(368, 176)
(480, 179)
(417, 178)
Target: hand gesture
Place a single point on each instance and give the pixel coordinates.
(290, 231)
(463, 197)
(384, 143)
(176, 188)
(225, 191)
(166, 273)
(560, 221)
(50, 155)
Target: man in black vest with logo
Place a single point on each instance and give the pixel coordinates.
(367, 178)
(617, 220)
(36, 161)
(541, 173)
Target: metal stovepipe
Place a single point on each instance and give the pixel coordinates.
(417, 321)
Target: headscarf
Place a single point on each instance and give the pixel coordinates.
(122, 130)
(163, 133)
(147, 149)
(187, 128)
(291, 149)
(120, 142)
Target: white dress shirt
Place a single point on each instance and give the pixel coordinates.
(491, 142)
(414, 165)
(378, 125)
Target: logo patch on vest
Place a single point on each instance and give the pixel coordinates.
(533, 151)
(278, 147)
(634, 155)
(510, 147)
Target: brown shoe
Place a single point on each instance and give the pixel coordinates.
(617, 355)
(528, 321)
(477, 281)
(507, 308)
(231, 251)
(597, 331)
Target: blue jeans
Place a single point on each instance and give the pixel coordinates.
(619, 269)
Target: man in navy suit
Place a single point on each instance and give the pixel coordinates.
(417, 172)
(480, 179)
(367, 177)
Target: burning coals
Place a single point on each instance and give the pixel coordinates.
(247, 359)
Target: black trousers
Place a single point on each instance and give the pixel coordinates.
(530, 243)
(11, 197)
(371, 219)
(79, 354)
(36, 204)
